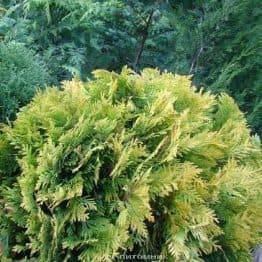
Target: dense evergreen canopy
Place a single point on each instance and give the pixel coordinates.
(130, 164)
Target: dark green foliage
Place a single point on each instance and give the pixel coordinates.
(220, 43)
(76, 37)
(21, 73)
(130, 164)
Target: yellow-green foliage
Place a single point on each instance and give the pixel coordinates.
(130, 164)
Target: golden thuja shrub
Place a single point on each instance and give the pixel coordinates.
(129, 164)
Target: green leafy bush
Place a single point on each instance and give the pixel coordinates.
(21, 73)
(130, 164)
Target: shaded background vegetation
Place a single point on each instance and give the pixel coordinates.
(218, 42)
